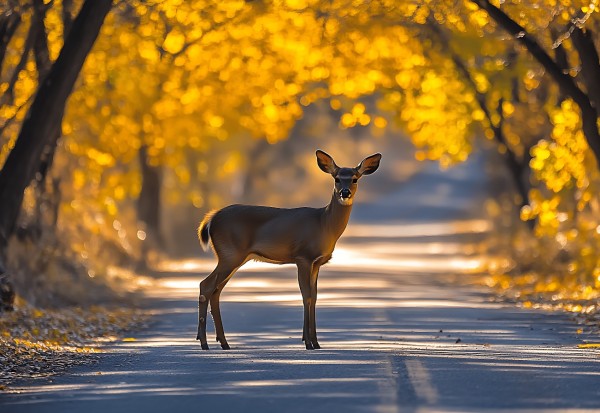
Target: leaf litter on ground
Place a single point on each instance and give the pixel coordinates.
(38, 342)
(535, 291)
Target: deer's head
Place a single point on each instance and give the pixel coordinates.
(346, 179)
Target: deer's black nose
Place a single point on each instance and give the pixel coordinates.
(345, 193)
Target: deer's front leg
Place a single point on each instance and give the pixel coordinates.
(314, 275)
(304, 271)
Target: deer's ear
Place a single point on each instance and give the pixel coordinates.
(369, 164)
(326, 163)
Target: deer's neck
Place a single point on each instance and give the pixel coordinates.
(336, 217)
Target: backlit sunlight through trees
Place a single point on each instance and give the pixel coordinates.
(167, 82)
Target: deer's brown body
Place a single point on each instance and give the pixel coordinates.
(302, 236)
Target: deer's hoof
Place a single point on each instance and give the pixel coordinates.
(204, 346)
(316, 345)
(225, 346)
(309, 345)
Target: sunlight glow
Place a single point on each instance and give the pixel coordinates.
(195, 265)
(469, 226)
(347, 281)
(345, 257)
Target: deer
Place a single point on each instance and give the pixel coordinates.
(303, 236)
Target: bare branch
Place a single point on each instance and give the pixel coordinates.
(10, 120)
(562, 60)
(67, 16)
(8, 26)
(576, 22)
(8, 97)
(40, 47)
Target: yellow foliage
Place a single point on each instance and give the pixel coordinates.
(179, 76)
(174, 42)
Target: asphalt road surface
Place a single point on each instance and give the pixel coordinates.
(399, 333)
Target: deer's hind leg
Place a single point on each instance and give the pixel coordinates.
(208, 288)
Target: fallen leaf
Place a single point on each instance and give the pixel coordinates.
(589, 345)
(129, 339)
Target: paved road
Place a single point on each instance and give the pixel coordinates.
(398, 333)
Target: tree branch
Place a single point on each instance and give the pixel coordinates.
(583, 40)
(67, 16)
(9, 95)
(10, 120)
(40, 46)
(561, 58)
(514, 165)
(589, 115)
(8, 26)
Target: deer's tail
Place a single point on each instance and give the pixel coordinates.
(204, 230)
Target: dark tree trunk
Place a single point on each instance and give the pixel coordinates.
(43, 63)
(148, 205)
(7, 293)
(252, 173)
(44, 116)
(583, 40)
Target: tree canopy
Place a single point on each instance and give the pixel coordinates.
(178, 77)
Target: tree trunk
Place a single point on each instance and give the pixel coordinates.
(44, 116)
(44, 200)
(148, 204)
(583, 40)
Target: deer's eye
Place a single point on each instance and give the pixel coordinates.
(354, 180)
(337, 180)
